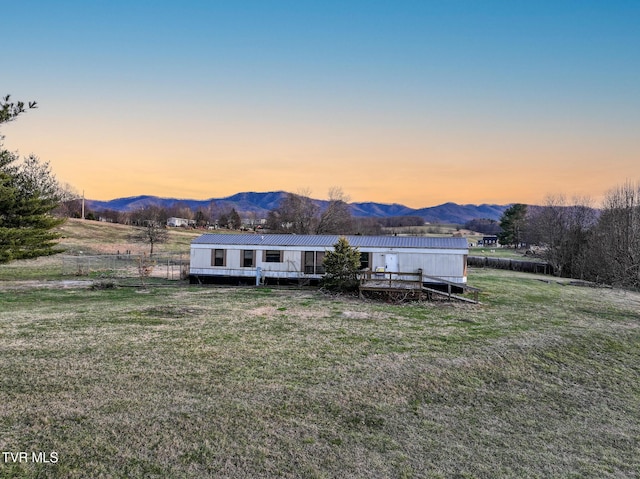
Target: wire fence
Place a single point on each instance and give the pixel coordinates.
(538, 267)
(170, 267)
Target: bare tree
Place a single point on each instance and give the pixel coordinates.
(564, 229)
(616, 245)
(297, 213)
(141, 216)
(150, 227)
(367, 226)
(210, 212)
(336, 219)
(145, 268)
(205, 215)
(230, 219)
(180, 209)
(201, 218)
(252, 220)
(235, 222)
(485, 226)
(70, 202)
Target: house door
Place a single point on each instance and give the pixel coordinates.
(309, 262)
(391, 263)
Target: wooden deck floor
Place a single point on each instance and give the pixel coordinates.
(402, 285)
(385, 285)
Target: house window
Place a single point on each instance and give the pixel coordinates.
(309, 257)
(218, 257)
(319, 262)
(248, 259)
(273, 256)
(313, 262)
(365, 260)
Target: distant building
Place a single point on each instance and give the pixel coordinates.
(177, 222)
(488, 241)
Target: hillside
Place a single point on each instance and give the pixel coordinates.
(95, 237)
(261, 203)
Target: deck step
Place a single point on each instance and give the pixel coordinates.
(447, 295)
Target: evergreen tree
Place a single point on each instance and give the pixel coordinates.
(28, 194)
(512, 224)
(341, 267)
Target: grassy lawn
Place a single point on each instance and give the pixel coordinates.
(507, 253)
(541, 380)
(86, 238)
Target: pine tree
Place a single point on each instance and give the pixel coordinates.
(342, 266)
(28, 194)
(512, 224)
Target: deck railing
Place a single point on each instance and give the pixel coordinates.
(399, 279)
(380, 280)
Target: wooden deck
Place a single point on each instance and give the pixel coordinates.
(399, 286)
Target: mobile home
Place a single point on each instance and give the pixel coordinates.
(180, 222)
(282, 257)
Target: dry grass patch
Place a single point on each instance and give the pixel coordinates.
(94, 237)
(539, 381)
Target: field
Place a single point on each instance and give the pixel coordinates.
(541, 380)
(93, 237)
(446, 230)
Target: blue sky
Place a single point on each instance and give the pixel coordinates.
(396, 101)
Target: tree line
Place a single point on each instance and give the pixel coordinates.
(297, 213)
(581, 241)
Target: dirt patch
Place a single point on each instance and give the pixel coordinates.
(263, 311)
(301, 313)
(38, 284)
(171, 312)
(356, 315)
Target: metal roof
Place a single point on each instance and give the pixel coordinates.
(328, 241)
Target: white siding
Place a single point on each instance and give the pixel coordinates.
(447, 264)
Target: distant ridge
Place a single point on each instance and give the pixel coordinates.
(261, 203)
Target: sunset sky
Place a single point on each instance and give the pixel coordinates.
(413, 102)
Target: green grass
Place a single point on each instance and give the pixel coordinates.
(500, 252)
(32, 270)
(541, 380)
(87, 238)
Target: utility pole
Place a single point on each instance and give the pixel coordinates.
(82, 204)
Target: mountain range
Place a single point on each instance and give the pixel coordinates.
(261, 203)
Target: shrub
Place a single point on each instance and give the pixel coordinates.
(341, 266)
